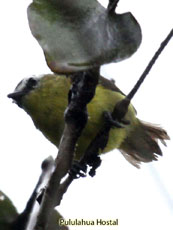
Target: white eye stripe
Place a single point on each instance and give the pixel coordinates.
(23, 84)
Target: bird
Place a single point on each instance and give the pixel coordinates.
(45, 98)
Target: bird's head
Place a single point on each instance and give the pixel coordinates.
(42, 95)
(23, 88)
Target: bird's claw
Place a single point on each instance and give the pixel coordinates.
(115, 122)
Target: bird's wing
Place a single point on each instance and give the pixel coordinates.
(109, 84)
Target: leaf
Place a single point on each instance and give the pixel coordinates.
(8, 212)
(78, 35)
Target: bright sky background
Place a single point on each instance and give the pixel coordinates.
(140, 199)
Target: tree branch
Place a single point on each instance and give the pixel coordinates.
(23, 219)
(121, 108)
(150, 65)
(83, 89)
(112, 6)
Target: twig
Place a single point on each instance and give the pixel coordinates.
(149, 66)
(23, 219)
(82, 91)
(121, 108)
(112, 6)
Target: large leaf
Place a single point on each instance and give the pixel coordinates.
(79, 34)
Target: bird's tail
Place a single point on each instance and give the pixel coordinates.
(141, 145)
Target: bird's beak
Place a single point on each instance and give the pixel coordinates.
(17, 96)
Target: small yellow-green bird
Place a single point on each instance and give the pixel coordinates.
(45, 99)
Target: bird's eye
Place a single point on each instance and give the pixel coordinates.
(31, 83)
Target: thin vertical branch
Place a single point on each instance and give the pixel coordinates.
(121, 108)
(150, 65)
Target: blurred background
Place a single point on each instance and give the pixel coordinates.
(138, 198)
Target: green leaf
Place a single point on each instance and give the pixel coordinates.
(8, 212)
(80, 34)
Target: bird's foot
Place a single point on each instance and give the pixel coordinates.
(78, 170)
(115, 123)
